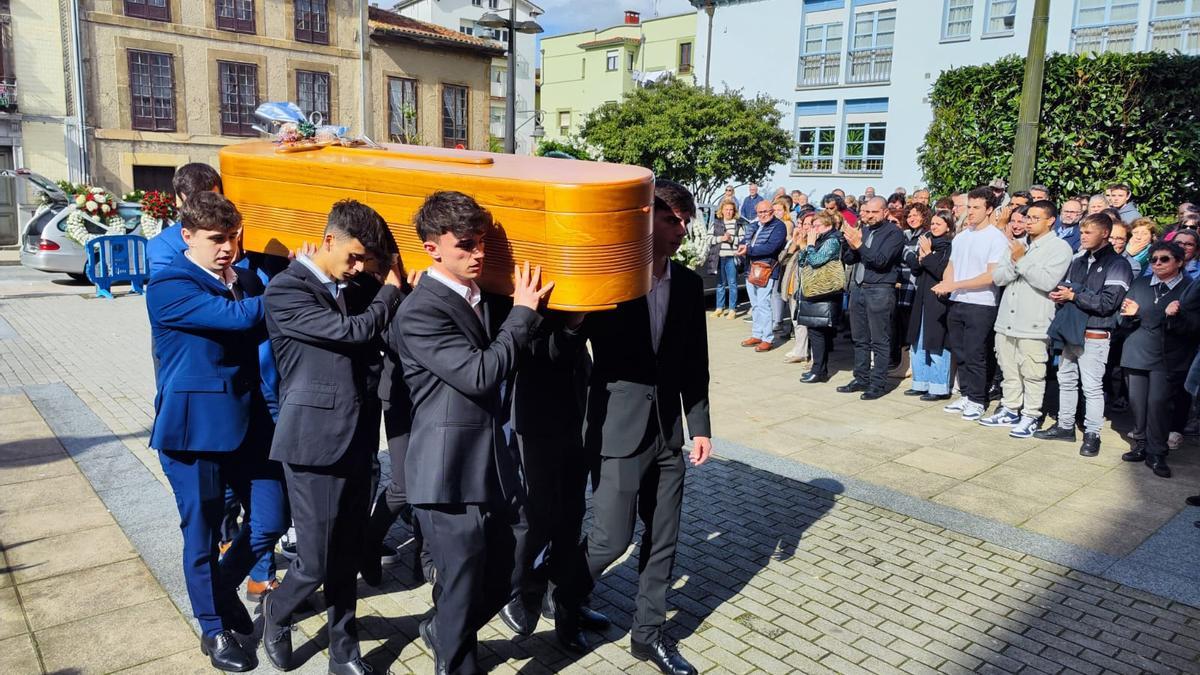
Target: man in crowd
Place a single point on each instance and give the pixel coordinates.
(1089, 298)
(327, 434)
(968, 280)
(959, 209)
(189, 179)
(1096, 204)
(1039, 193)
(869, 192)
(1027, 274)
(747, 207)
(921, 196)
(1067, 225)
(650, 374)
(1118, 196)
(212, 423)
(874, 250)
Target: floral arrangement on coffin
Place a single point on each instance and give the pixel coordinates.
(101, 205)
(157, 208)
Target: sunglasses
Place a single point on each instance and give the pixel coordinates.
(1161, 259)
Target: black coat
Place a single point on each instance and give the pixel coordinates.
(328, 363)
(1157, 341)
(929, 310)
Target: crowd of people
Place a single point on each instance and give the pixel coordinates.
(992, 294)
(273, 379)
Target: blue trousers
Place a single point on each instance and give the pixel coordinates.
(727, 283)
(264, 569)
(931, 371)
(198, 480)
(763, 324)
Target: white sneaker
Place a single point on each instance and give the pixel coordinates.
(287, 544)
(957, 406)
(1174, 440)
(972, 411)
(1024, 428)
(1001, 418)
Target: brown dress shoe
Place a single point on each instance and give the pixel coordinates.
(255, 590)
(763, 346)
(751, 342)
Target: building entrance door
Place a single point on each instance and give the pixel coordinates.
(9, 222)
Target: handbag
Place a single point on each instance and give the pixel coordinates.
(819, 281)
(760, 273)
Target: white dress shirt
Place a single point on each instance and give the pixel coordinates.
(469, 293)
(227, 278)
(334, 287)
(657, 300)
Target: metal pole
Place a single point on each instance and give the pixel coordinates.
(510, 103)
(708, 9)
(79, 90)
(1025, 147)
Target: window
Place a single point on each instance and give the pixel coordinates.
(454, 116)
(312, 92)
(864, 147)
(685, 57)
(477, 3)
(238, 86)
(610, 60)
(466, 28)
(564, 122)
(500, 35)
(871, 47)
(1104, 26)
(821, 58)
(152, 90)
(496, 121)
(158, 10)
(493, 4)
(402, 110)
(153, 178)
(632, 60)
(236, 15)
(312, 21)
(816, 137)
(1176, 26)
(1001, 16)
(958, 19)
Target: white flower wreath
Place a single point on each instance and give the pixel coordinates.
(151, 226)
(99, 203)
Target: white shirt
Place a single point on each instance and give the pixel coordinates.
(657, 300)
(971, 253)
(333, 286)
(469, 293)
(227, 277)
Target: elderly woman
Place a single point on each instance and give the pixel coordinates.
(820, 314)
(1162, 316)
(782, 208)
(927, 320)
(1142, 233)
(726, 233)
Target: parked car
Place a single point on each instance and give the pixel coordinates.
(45, 245)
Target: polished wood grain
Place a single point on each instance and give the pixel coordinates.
(586, 223)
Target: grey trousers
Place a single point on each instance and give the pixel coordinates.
(1083, 366)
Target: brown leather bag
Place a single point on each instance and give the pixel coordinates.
(760, 273)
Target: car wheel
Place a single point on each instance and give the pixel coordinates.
(78, 276)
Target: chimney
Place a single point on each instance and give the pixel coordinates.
(632, 17)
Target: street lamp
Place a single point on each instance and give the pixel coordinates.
(493, 20)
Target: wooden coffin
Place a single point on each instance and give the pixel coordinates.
(586, 223)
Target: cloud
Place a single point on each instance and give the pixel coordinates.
(568, 16)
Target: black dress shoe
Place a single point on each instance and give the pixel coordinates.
(225, 653)
(1138, 453)
(852, 386)
(370, 567)
(1055, 433)
(276, 640)
(812, 378)
(664, 654)
(872, 394)
(1194, 500)
(518, 618)
(590, 619)
(1091, 445)
(567, 629)
(935, 397)
(355, 667)
(1158, 464)
(914, 392)
(429, 637)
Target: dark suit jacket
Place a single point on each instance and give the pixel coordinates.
(1157, 341)
(206, 343)
(634, 390)
(550, 386)
(325, 358)
(455, 370)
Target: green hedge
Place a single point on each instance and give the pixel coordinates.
(1115, 117)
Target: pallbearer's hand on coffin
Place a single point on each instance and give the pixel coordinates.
(528, 290)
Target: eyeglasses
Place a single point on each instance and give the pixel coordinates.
(1161, 259)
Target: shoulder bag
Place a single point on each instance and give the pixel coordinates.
(816, 282)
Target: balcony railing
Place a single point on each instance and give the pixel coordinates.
(819, 70)
(862, 165)
(1183, 34)
(1116, 38)
(8, 94)
(869, 65)
(813, 165)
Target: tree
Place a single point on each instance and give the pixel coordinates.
(570, 145)
(692, 135)
(1110, 118)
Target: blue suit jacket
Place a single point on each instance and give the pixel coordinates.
(161, 250)
(207, 344)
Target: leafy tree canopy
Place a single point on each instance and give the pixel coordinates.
(692, 135)
(571, 146)
(1112, 118)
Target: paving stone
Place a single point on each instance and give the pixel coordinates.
(17, 655)
(45, 557)
(96, 590)
(117, 639)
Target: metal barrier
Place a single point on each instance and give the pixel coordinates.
(117, 257)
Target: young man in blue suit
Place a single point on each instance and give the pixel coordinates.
(212, 424)
(190, 179)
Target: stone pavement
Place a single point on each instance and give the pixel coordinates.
(784, 566)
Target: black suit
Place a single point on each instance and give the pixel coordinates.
(638, 400)
(328, 430)
(460, 474)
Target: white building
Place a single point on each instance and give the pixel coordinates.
(463, 15)
(855, 74)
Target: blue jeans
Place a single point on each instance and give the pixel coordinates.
(931, 372)
(727, 283)
(763, 318)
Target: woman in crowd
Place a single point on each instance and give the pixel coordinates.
(1189, 240)
(927, 322)
(1158, 352)
(914, 222)
(790, 286)
(833, 203)
(820, 314)
(782, 207)
(851, 203)
(727, 230)
(1141, 234)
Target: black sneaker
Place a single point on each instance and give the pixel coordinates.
(1055, 433)
(1091, 445)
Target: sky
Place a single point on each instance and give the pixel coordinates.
(568, 16)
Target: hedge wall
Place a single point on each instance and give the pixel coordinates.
(1115, 117)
